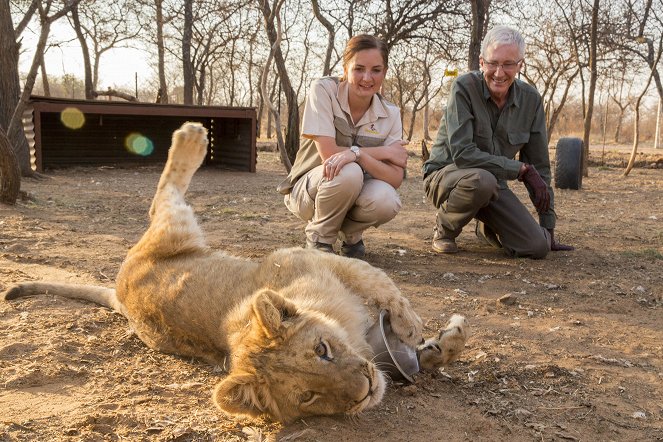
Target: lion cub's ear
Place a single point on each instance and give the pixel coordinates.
(273, 311)
(237, 394)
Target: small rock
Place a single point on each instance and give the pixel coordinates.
(409, 390)
(508, 299)
(16, 248)
(449, 277)
(639, 415)
(522, 412)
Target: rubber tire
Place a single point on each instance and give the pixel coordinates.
(568, 163)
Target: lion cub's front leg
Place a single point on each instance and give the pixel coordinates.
(377, 288)
(186, 154)
(364, 280)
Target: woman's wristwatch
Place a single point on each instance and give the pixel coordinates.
(356, 151)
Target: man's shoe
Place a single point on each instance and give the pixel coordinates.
(323, 247)
(357, 250)
(445, 245)
(486, 234)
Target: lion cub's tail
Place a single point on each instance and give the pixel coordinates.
(103, 296)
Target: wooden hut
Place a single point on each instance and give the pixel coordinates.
(65, 132)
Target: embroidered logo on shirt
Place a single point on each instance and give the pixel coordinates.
(372, 130)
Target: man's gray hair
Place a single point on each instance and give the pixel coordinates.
(503, 35)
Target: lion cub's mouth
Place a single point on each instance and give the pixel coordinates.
(373, 394)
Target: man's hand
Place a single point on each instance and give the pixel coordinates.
(555, 246)
(530, 176)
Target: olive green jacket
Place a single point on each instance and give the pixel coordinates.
(474, 134)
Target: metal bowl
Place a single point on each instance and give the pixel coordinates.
(392, 355)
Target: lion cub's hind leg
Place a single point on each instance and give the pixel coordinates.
(173, 228)
(186, 154)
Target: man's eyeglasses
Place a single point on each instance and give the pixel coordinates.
(508, 66)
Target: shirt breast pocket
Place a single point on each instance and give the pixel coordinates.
(343, 132)
(517, 140)
(365, 141)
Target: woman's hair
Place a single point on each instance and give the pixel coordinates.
(503, 35)
(360, 43)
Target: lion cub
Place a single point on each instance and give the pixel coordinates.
(290, 329)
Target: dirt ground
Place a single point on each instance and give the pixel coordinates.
(578, 356)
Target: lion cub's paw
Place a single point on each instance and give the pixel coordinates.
(189, 145)
(405, 322)
(447, 346)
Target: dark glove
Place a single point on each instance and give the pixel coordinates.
(555, 246)
(537, 186)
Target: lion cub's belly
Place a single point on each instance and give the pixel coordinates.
(177, 305)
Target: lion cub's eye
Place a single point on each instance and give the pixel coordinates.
(322, 351)
(307, 397)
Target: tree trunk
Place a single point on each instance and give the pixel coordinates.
(233, 79)
(657, 136)
(479, 25)
(426, 122)
(618, 128)
(636, 117)
(201, 86)
(292, 123)
(636, 127)
(14, 101)
(10, 83)
(331, 37)
(89, 86)
(10, 173)
(186, 52)
(554, 115)
(272, 95)
(592, 84)
(413, 119)
(259, 124)
(15, 132)
(163, 86)
(44, 77)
